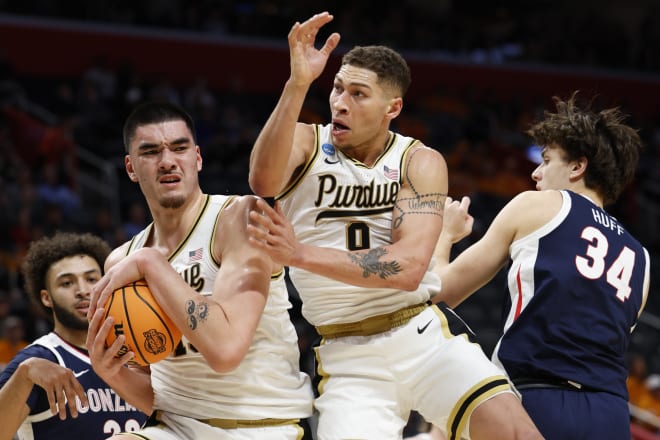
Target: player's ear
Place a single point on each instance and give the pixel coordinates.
(129, 169)
(394, 107)
(45, 298)
(579, 168)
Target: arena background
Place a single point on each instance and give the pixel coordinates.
(482, 71)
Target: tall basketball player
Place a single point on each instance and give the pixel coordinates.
(577, 280)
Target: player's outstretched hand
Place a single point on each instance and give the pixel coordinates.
(270, 230)
(60, 383)
(307, 62)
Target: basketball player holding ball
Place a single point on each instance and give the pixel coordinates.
(235, 373)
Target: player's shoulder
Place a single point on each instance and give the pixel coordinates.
(242, 203)
(532, 198)
(116, 255)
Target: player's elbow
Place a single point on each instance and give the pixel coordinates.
(260, 185)
(411, 279)
(225, 358)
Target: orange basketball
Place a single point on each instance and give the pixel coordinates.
(149, 332)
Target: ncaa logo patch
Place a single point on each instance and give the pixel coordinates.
(329, 150)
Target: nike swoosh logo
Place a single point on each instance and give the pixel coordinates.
(326, 160)
(80, 373)
(421, 330)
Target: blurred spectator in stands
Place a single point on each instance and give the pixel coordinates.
(650, 401)
(136, 221)
(53, 190)
(637, 374)
(12, 340)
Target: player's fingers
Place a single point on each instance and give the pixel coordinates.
(465, 202)
(95, 296)
(330, 44)
(60, 399)
(52, 402)
(79, 392)
(93, 328)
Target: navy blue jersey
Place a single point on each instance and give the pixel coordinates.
(107, 413)
(576, 287)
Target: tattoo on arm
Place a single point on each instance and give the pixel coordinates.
(371, 264)
(431, 203)
(196, 312)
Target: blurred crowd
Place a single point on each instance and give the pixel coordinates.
(618, 34)
(45, 123)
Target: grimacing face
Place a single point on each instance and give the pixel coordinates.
(360, 107)
(165, 161)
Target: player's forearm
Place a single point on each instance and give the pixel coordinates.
(270, 155)
(134, 386)
(376, 267)
(13, 398)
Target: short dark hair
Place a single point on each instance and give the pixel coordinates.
(388, 64)
(45, 252)
(153, 112)
(611, 147)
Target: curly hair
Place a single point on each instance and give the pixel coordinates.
(611, 147)
(390, 67)
(47, 251)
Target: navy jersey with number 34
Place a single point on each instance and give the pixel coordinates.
(106, 414)
(576, 287)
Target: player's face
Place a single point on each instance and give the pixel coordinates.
(361, 108)
(165, 161)
(554, 171)
(69, 284)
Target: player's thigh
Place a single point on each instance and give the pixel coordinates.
(569, 414)
(452, 375)
(359, 408)
(358, 396)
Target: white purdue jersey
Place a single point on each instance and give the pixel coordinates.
(268, 382)
(338, 202)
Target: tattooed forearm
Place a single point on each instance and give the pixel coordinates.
(196, 313)
(370, 263)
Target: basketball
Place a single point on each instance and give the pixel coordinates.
(149, 332)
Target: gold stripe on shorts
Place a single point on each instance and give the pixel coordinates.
(235, 423)
(261, 423)
(372, 325)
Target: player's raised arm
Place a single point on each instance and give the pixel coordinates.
(283, 144)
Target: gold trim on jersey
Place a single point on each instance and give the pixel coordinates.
(308, 165)
(192, 228)
(391, 140)
(145, 231)
(215, 225)
(372, 325)
(404, 156)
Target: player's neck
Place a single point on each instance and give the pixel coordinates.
(172, 225)
(75, 337)
(368, 152)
